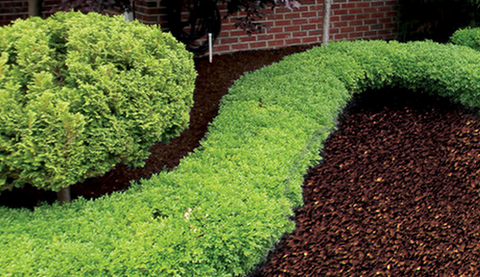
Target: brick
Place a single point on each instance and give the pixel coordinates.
(340, 37)
(376, 4)
(363, 16)
(276, 30)
(292, 15)
(292, 28)
(335, 6)
(340, 24)
(260, 44)
(154, 11)
(282, 23)
(347, 30)
(299, 21)
(383, 32)
(293, 41)
(362, 5)
(228, 40)
(339, 12)
(315, 33)
(236, 33)
(355, 11)
(355, 35)
(309, 14)
(385, 20)
(334, 31)
(310, 40)
(303, 8)
(274, 43)
(221, 48)
(370, 10)
(347, 17)
(362, 28)
(282, 36)
(378, 15)
(309, 27)
(317, 19)
(265, 37)
(248, 38)
(370, 21)
(348, 6)
(242, 46)
(316, 8)
(299, 34)
(334, 18)
(355, 23)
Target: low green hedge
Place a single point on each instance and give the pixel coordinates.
(468, 37)
(82, 93)
(221, 210)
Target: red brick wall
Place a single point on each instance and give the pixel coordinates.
(351, 19)
(12, 9)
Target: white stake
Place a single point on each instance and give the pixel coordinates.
(128, 16)
(210, 46)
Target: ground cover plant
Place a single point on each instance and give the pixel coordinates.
(82, 93)
(228, 202)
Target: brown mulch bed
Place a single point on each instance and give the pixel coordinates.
(397, 193)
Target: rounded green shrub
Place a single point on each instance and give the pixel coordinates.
(468, 37)
(81, 93)
(227, 203)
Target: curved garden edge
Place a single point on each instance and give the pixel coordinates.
(227, 203)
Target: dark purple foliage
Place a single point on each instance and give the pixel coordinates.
(93, 5)
(254, 12)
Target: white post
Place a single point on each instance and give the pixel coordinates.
(129, 11)
(210, 47)
(128, 16)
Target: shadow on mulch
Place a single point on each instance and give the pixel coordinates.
(396, 194)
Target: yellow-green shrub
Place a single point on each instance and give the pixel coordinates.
(82, 93)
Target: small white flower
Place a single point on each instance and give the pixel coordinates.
(188, 213)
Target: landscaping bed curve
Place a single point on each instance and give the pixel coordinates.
(227, 203)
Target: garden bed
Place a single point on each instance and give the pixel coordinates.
(396, 193)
